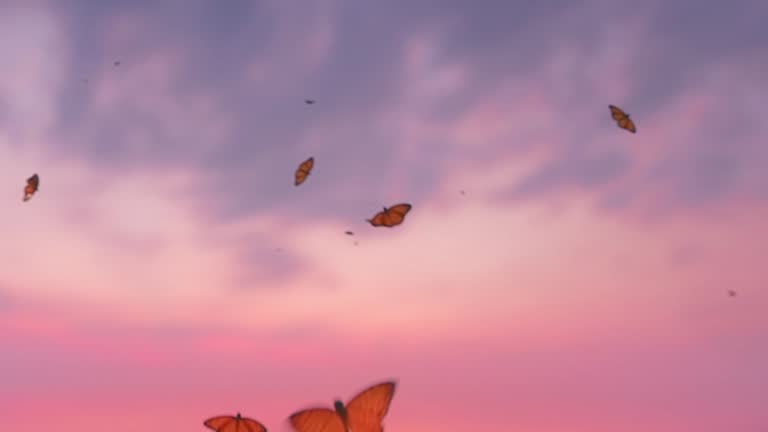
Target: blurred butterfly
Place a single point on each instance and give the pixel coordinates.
(349, 233)
(234, 424)
(364, 413)
(622, 119)
(390, 217)
(303, 171)
(732, 293)
(117, 63)
(309, 101)
(32, 184)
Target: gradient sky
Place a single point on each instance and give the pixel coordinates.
(168, 270)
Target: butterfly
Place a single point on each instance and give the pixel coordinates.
(117, 63)
(303, 171)
(390, 217)
(732, 293)
(32, 184)
(350, 233)
(622, 119)
(234, 424)
(364, 413)
(309, 101)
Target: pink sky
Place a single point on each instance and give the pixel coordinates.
(580, 284)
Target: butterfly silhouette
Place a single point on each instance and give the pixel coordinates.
(302, 172)
(390, 217)
(364, 413)
(622, 119)
(234, 424)
(32, 184)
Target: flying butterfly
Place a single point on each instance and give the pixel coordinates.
(349, 233)
(234, 424)
(32, 184)
(309, 101)
(622, 119)
(302, 172)
(364, 413)
(390, 217)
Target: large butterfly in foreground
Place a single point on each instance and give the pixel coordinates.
(234, 424)
(364, 413)
(390, 217)
(622, 119)
(32, 184)
(302, 172)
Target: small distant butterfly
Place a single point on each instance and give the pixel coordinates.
(234, 424)
(32, 184)
(309, 101)
(390, 217)
(622, 119)
(302, 172)
(349, 233)
(117, 63)
(364, 413)
(732, 293)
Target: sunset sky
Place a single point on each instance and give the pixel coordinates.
(168, 270)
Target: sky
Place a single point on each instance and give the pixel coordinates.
(168, 270)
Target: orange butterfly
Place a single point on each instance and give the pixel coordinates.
(622, 119)
(234, 424)
(390, 217)
(32, 184)
(303, 171)
(364, 413)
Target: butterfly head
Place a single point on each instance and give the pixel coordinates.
(237, 416)
(340, 409)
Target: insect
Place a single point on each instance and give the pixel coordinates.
(117, 63)
(364, 413)
(350, 233)
(732, 293)
(32, 184)
(622, 119)
(234, 424)
(390, 217)
(303, 171)
(309, 101)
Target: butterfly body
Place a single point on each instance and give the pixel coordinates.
(341, 411)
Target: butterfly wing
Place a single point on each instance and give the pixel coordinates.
(316, 420)
(397, 212)
(366, 411)
(250, 425)
(616, 113)
(303, 171)
(379, 219)
(219, 423)
(628, 124)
